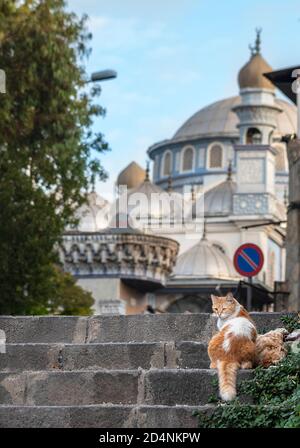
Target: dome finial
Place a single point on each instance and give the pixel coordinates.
(255, 49)
(147, 177)
(193, 196)
(204, 230)
(170, 184)
(229, 170)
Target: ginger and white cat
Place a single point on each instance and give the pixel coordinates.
(233, 347)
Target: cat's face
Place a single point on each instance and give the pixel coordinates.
(224, 307)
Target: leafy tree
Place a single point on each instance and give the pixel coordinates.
(67, 297)
(48, 152)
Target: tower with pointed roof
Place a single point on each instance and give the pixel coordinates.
(226, 163)
(257, 111)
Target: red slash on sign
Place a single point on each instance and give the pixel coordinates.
(248, 260)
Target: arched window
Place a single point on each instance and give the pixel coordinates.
(253, 136)
(215, 159)
(188, 159)
(167, 164)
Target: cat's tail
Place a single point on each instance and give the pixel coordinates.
(227, 372)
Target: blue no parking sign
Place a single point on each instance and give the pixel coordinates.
(248, 260)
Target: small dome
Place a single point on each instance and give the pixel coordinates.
(132, 176)
(218, 201)
(94, 215)
(251, 75)
(204, 260)
(149, 205)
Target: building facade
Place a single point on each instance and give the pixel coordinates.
(228, 165)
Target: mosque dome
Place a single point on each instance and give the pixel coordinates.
(131, 176)
(218, 119)
(218, 200)
(252, 73)
(151, 203)
(204, 261)
(94, 214)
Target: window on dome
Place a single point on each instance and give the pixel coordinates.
(253, 137)
(188, 159)
(216, 156)
(167, 164)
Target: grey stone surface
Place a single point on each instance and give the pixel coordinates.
(12, 388)
(113, 356)
(109, 371)
(168, 416)
(134, 328)
(20, 357)
(267, 321)
(182, 387)
(103, 356)
(150, 328)
(81, 388)
(44, 329)
(100, 416)
(78, 388)
(192, 355)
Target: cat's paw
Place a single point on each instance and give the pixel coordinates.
(247, 365)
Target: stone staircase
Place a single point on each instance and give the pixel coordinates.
(142, 371)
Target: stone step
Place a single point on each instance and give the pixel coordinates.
(134, 328)
(99, 416)
(104, 356)
(168, 387)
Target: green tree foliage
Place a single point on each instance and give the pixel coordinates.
(48, 153)
(67, 298)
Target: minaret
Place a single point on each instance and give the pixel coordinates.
(258, 111)
(255, 157)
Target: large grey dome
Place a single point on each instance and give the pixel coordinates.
(219, 119)
(205, 261)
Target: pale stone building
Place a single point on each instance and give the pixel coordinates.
(227, 160)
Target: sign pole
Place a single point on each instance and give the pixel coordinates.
(248, 261)
(249, 294)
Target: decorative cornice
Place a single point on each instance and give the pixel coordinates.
(121, 255)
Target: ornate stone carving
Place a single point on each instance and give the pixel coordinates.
(262, 114)
(122, 255)
(251, 173)
(253, 204)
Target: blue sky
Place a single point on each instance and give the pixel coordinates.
(174, 57)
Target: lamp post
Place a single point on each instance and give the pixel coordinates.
(103, 75)
(288, 81)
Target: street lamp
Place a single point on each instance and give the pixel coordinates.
(103, 75)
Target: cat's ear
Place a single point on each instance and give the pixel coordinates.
(230, 297)
(213, 298)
